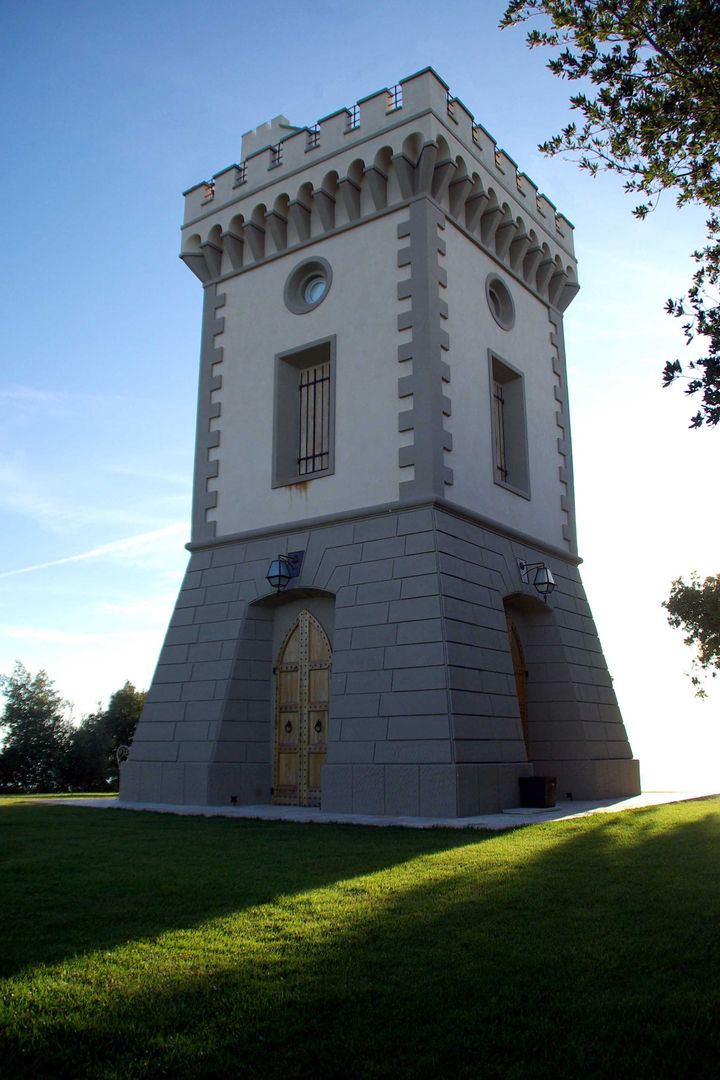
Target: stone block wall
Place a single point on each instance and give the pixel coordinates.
(424, 716)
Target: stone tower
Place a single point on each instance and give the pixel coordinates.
(383, 398)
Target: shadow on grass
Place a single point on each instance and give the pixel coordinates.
(74, 880)
(576, 949)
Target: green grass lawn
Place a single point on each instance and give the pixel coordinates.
(144, 945)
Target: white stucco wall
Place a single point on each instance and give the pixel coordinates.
(361, 309)
(526, 347)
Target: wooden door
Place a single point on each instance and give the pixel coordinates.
(520, 672)
(302, 702)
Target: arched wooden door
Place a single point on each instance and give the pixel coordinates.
(520, 672)
(302, 702)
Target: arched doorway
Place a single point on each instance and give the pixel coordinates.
(520, 672)
(302, 701)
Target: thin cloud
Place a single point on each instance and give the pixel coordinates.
(130, 545)
(21, 394)
(63, 637)
(154, 608)
(45, 500)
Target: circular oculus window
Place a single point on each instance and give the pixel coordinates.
(314, 290)
(308, 285)
(500, 302)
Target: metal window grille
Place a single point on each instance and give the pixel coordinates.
(499, 404)
(314, 434)
(476, 134)
(240, 174)
(451, 106)
(394, 98)
(275, 155)
(313, 137)
(353, 118)
(209, 192)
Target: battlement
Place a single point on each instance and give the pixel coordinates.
(409, 140)
(276, 150)
(266, 135)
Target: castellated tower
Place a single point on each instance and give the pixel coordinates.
(383, 399)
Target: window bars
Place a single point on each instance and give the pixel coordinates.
(314, 441)
(394, 98)
(313, 137)
(499, 406)
(240, 174)
(353, 117)
(275, 155)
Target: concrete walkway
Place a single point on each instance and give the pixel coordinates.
(508, 819)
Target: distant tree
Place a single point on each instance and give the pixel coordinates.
(36, 733)
(695, 608)
(655, 120)
(91, 759)
(84, 763)
(119, 722)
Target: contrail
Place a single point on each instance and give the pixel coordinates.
(105, 549)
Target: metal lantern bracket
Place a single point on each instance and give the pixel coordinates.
(283, 568)
(293, 560)
(542, 579)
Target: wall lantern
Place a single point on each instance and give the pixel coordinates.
(538, 575)
(283, 568)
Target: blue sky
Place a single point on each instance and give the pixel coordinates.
(111, 111)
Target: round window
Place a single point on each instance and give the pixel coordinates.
(314, 289)
(308, 285)
(500, 302)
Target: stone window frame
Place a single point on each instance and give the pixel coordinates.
(514, 433)
(286, 410)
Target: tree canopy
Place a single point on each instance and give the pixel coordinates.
(91, 762)
(42, 751)
(650, 108)
(695, 608)
(37, 733)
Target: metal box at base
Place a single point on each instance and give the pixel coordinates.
(538, 790)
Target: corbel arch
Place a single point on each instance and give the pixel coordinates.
(234, 240)
(443, 172)
(350, 188)
(491, 217)
(405, 163)
(276, 221)
(475, 204)
(378, 175)
(300, 211)
(459, 188)
(212, 249)
(325, 197)
(518, 245)
(531, 259)
(504, 232)
(194, 258)
(255, 231)
(544, 270)
(569, 289)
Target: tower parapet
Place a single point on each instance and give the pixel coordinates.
(412, 138)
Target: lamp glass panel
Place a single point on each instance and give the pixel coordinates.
(278, 574)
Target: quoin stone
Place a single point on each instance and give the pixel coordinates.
(382, 394)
